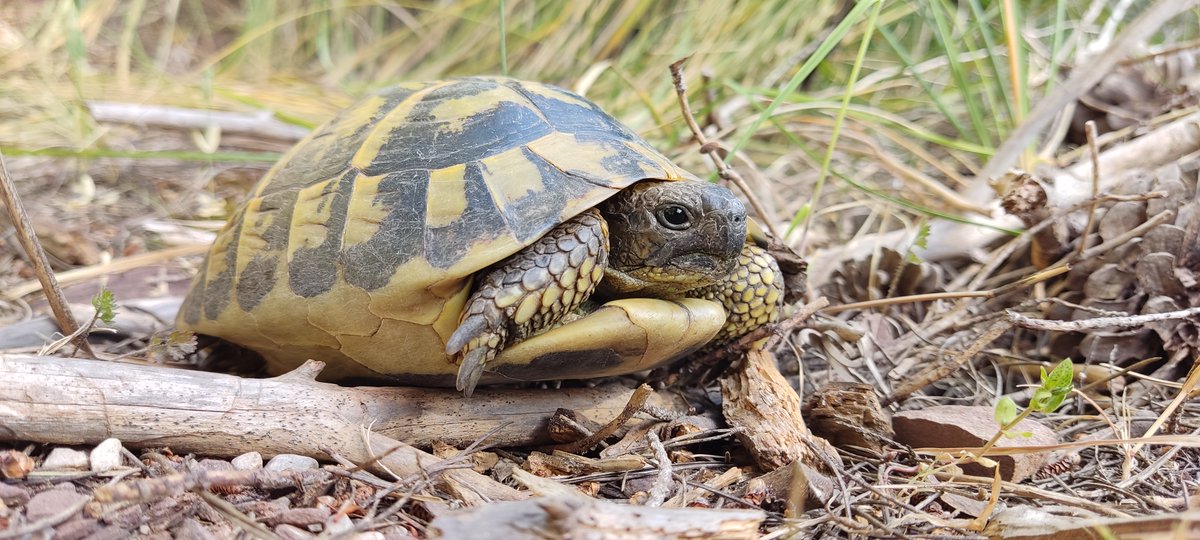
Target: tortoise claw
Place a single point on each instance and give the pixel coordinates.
(472, 369)
(479, 338)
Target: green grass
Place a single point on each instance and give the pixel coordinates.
(934, 87)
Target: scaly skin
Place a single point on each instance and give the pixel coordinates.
(752, 294)
(668, 240)
(530, 292)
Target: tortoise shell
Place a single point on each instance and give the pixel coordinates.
(358, 247)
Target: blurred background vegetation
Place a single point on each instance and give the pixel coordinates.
(914, 113)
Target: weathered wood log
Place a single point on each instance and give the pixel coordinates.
(570, 518)
(67, 401)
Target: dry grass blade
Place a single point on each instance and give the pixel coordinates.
(122, 264)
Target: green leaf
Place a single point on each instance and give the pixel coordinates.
(1055, 387)
(1006, 411)
(1042, 400)
(1061, 377)
(922, 240)
(105, 304)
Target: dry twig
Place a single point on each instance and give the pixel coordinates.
(662, 481)
(636, 401)
(1098, 322)
(712, 148)
(37, 256)
(259, 124)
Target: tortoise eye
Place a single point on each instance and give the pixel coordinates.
(674, 217)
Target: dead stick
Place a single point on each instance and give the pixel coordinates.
(662, 482)
(1084, 325)
(1032, 279)
(37, 256)
(1090, 129)
(707, 147)
(631, 408)
(64, 401)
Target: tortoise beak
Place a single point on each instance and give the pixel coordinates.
(727, 220)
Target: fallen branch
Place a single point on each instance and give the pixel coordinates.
(759, 400)
(582, 517)
(260, 124)
(63, 401)
(37, 257)
(632, 407)
(1084, 325)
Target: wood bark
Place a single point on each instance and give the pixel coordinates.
(66, 401)
(569, 518)
(758, 399)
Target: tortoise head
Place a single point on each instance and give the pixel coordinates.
(671, 237)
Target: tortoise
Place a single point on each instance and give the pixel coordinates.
(480, 230)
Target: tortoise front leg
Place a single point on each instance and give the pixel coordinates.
(752, 293)
(529, 292)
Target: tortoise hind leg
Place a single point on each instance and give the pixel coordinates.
(529, 292)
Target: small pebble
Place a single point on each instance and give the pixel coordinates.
(13, 495)
(299, 517)
(106, 456)
(292, 532)
(80, 527)
(51, 502)
(340, 525)
(214, 465)
(291, 462)
(65, 459)
(190, 529)
(396, 533)
(249, 461)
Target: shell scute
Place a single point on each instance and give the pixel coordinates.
(428, 135)
(399, 237)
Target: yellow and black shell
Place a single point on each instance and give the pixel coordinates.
(359, 246)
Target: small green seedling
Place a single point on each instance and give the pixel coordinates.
(920, 242)
(172, 347)
(1048, 396)
(105, 305)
